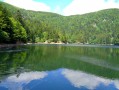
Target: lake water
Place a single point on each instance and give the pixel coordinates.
(59, 67)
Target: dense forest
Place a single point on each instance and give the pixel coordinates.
(11, 30)
(19, 25)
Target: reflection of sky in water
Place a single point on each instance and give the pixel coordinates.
(79, 79)
(61, 79)
(13, 82)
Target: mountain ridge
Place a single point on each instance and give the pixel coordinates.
(100, 27)
(57, 13)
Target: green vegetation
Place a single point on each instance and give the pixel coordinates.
(11, 30)
(99, 61)
(100, 27)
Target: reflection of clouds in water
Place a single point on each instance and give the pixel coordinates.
(116, 83)
(12, 82)
(78, 79)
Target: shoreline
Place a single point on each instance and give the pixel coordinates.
(10, 45)
(64, 44)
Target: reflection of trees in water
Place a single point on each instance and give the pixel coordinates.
(50, 57)
(43, 58)
(19, 70)
(10, 61)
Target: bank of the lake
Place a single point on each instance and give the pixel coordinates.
(53, 43)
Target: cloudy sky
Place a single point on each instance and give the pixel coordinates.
(65, 7)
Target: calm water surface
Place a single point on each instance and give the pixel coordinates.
(59, 67)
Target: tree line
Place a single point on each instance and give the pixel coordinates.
(11, 30)
(100, 27)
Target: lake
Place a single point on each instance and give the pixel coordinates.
(59, 67)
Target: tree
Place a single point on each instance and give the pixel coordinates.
(5, 26)
(19, 33)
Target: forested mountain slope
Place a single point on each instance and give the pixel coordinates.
(11, 30)
(100, 27)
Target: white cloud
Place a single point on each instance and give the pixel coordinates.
(57, 9)
(79, 79)
(13, 82)
(29, 5)
(116, 82)
(86, 6)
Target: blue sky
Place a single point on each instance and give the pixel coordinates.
(56, 4)
(65, 7)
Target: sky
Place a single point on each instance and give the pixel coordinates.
(65, 7)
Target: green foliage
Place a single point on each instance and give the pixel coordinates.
(100, 61)
(4, 36)
(11, 30)
(5, 26)
(100, 27)
(19, 33)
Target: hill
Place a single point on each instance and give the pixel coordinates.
(11, 30)
(100, 27)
